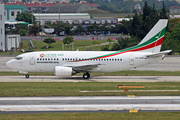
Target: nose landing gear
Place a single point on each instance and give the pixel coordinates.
(27, 75)
(86, 75)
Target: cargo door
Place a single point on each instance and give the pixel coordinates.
(131, 59)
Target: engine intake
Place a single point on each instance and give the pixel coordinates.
(64, 71)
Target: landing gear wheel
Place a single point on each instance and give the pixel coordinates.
(27, 76)
(86, 75)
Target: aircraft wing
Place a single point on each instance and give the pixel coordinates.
(83, 67)
(159, 53)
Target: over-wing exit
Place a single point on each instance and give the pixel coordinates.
(68, 63)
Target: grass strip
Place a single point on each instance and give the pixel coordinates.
(119, 73)
(94, 116)
(82, 45)
(73, 89)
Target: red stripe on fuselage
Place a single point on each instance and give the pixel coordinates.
(154, 44)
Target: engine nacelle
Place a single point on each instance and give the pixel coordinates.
(64, 71)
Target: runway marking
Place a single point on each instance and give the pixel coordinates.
(90, 107)
(90, 98)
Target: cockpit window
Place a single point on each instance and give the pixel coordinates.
(18, 58)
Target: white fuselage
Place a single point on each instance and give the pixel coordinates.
(47, 61)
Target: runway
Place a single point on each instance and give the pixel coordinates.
(92, 103)
(92, 79)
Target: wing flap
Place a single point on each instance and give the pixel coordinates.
(83, 67)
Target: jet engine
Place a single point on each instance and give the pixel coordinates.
(64, 71)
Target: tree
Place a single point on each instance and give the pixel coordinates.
(163, 13)
(22, 32)
(26, 17)
(109, 40)
(80, 29)
(105, 48)
(68, 40)
(34, 29)
(59, 27)
(136, 27)
(172, 40)
(49, 41)
(18, 29)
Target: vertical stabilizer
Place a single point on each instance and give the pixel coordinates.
(153, 40)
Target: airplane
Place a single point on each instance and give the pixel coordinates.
(68, 63)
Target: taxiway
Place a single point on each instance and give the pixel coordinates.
(89, 103)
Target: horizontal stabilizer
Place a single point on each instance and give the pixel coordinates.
(159, 53)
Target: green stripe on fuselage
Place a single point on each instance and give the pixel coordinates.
(151, 40)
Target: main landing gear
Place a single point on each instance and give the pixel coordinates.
(86, 75)
(27, 75)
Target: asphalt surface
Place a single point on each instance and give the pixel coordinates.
(92, 79)
(27, 105)
(89, 103)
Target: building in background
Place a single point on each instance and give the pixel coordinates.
(94, 6)
(8, 42)
(2, 28)
(38, 7)
(174, 9)
(42, 18)
(11, 11)
(14, 0)
(69, 8)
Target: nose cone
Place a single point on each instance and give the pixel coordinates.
(9, 64)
